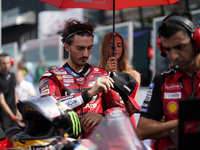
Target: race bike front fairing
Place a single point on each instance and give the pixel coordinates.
(46, 120)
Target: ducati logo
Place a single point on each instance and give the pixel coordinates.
(80, 79)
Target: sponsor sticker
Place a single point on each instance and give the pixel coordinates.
(127, 88)
(96, 69)
(115, 114)
(61, 69)
(145, 105)
(71, 72)
(172, 86)
(68, 80)
(67, 76)
(87, 72)
(149, 91)
(71, 102)
(147, 99)
(143, 110)
(45, 92)
(91, 83)
(45, 87)
(172, 107)
(91, 106)
(80, 79)
(60, 72)
(44, 82)
(66, 98)
(176, 95)
(66, 85)
(151, 86)
(59, 77)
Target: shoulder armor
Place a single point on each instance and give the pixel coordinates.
(47, 74)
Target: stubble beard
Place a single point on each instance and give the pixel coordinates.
(77, 63)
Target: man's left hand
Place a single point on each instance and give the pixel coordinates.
(91, 119)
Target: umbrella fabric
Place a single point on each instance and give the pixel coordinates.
(107, 4)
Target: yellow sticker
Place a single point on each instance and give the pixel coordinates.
(172, 107)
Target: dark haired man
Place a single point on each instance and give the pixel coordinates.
(9, 114)
(177, 40)
(85, 88)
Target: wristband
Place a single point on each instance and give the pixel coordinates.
(13, 117)
(85, 96)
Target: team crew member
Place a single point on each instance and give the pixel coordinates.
(179, 40)
(9, 114)
(77, 84)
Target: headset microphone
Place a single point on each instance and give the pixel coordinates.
(179, 66)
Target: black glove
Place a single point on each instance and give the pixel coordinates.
(76, 128)
(70, 123)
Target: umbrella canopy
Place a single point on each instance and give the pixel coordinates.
(108, 5)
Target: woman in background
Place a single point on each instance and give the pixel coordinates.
(119, 61)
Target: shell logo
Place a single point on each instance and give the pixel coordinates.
(59, 77)
(172, 107)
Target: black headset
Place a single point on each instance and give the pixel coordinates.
(190, 26)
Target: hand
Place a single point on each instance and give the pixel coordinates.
(112, 64)
(18, 119)
(102, 84)
(75, 124)
(91, 119)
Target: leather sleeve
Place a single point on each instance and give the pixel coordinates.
(48, 86)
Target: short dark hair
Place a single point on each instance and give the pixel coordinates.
(4, 54)
(169, 28)
(73, 27)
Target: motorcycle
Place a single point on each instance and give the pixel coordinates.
(115, 132)
(49, 128)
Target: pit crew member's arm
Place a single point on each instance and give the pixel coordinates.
(149, 124)
(17, 118)
(152, 129)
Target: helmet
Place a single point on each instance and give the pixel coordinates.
(46, 121)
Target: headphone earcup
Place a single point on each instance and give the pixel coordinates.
(159, 43)
(12, 61)
(196, 38)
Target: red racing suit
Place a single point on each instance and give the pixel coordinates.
(70, 88)
(164, 94)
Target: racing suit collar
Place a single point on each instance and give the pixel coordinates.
(86, 70)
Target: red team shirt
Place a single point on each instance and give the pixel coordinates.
(164, 94)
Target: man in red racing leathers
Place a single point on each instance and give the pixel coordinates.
(85, 88)
(70, 88)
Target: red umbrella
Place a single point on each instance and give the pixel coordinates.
(108, 5)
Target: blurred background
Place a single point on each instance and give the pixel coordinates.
(30, 34)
